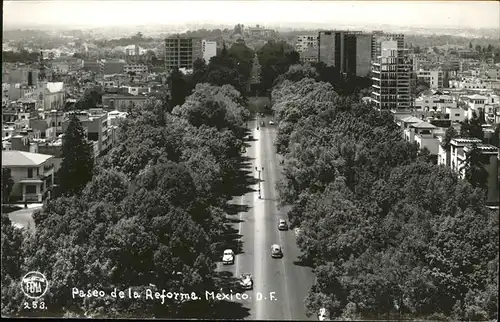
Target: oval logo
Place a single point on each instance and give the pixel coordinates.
(34, 285)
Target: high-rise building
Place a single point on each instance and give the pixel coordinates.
(378, 36)
(392, 77)
(209, 49)
(181, 52)
(349, 51)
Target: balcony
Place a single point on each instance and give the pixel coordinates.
(47, 168)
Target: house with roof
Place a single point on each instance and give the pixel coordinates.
(460, 147)
(489, 156)
(32, 173)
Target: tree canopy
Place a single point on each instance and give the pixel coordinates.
(388, 236)
(78, 159)
(151, 217)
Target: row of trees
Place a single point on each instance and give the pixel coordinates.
(150, 216)
(389, 236)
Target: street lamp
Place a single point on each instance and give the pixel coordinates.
(259, 171)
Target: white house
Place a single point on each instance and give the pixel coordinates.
(32, 173)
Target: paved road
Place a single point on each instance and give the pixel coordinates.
(24, 218)
(259, 229)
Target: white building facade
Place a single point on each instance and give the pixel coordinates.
(208, 49)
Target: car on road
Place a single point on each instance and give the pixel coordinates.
(228, 257)
(276, 251)
(271, 122)
(282, 225)
(246, 281)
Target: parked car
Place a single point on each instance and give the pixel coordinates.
(276, 251)
(271, 122)
(228, 257)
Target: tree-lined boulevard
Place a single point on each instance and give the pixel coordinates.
(376, 230)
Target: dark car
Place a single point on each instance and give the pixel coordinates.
(282, 225)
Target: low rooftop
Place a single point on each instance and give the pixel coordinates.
(23, 159)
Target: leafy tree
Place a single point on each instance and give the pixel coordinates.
(472, 128)
(12, 240)
(178, 89)
(475, 171)
(275, 59)
(91, 97)
(449, 134)
(77, 164)
(7, 184)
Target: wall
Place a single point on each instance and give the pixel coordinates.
(428, 142)
(363, 55)
(492, 169)
(209, 50)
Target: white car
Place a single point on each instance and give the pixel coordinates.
(228, 257)
(271, 122)
(246, 281)
(276, 251)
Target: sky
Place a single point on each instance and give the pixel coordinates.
(459, 14)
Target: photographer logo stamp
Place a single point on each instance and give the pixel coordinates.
(34, 285)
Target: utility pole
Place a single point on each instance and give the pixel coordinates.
(259, 171)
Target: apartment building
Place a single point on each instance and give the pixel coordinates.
(122, 101)
(135, 68)
(432, 77)
(209, 50)
(110, 66)
(458, 155)
(349, 51)
(392, 77)
(377, 37)
(95, 121)
(493, 73)
(182, 52)
(304, 42)
(91, 66)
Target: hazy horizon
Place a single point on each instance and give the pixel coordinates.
(435, 14)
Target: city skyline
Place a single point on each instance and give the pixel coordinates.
(454, 14)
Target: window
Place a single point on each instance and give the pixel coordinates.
(30, 172)
(30, 188)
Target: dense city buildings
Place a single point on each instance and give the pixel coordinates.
(181, 52)
(392, 77)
